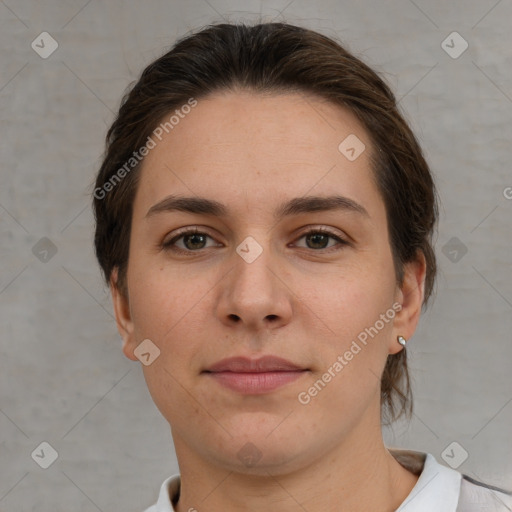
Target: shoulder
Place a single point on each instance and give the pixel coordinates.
(477, 496)
(444, 489)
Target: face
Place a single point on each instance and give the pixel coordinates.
(266, 273)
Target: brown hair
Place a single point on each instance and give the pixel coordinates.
(274, 57)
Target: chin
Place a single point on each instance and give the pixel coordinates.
(260, 450)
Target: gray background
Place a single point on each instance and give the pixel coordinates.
(63, 377)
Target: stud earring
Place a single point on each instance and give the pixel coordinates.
(401, 340)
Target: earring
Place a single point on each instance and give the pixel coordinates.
(401, 340)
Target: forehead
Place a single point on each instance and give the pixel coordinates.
(263, 146)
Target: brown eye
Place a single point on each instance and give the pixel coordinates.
(196, 240)
(318, 239)
(193, 240)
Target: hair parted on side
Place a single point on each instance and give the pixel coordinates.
(274, 58)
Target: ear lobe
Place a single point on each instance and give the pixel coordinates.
(123, 317)
(410, 296)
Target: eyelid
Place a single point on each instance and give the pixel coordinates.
(188, 230)
(311, 229)
(342, 241)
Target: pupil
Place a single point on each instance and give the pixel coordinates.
(316, 238)
(195, 236)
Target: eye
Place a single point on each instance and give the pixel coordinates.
(193, 240)
(318, 238)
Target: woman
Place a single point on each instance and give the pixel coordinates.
(265, 220)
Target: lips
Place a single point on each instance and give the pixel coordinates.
(246, 365)
(254, 376)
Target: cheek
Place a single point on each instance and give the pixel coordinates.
(351, 300)
(356, 313)
(167, 311)
(352, 356)
(158, 298)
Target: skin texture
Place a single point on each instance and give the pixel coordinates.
(297, 300)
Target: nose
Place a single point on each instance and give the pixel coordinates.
(255, 293)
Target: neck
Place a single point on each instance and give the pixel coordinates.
(359, 474)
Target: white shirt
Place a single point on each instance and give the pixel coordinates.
(438, 489)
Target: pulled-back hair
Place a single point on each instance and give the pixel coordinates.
(274, 58)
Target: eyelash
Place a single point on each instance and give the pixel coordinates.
(169, 245)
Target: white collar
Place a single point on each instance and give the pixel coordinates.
(438, 487)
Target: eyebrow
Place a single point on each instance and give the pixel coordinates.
(296, 206)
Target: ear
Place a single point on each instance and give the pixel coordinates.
(410, 296)
(123, 316)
